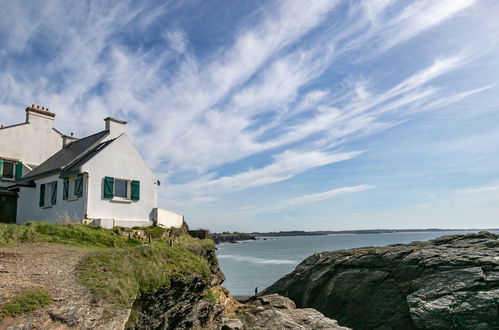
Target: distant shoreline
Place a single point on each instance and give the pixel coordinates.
(235, 237)
(360, 232)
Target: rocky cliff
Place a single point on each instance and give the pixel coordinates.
(451, 282)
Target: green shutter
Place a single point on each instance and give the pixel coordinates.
(65, 188)
(1, 167)
(19, 170)
(108, 187)
(79, 185)
(42, 195)
(53, 195)
(135, 194)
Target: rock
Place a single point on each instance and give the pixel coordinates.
(276, 312)
(277, 301)
(446, 283)
(232, 324)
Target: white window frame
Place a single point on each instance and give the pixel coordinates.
(128, 190)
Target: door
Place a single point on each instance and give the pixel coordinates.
(8, 208)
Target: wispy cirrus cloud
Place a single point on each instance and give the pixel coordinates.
(278, 92)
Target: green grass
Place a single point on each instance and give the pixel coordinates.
(209, 295)
(120, 275)
(120, 269)
(26, 302)
(73, 234)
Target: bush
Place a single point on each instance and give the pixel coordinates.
(26, 302)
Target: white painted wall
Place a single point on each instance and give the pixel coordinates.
(32, 142)
(120, 159)
(167, 219)
(72, 209)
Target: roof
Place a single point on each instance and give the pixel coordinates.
(70, 153)
(86, 157)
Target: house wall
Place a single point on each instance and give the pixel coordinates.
(32, 142)
(167, 219)
(72, 209)
(120, 159)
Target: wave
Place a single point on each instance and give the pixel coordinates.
(257, 260)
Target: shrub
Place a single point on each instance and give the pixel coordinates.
(26, 302)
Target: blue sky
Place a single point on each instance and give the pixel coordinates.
(268, 115)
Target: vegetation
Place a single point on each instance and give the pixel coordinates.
(68, 233)
(26, 302)
(211, 296)
(120, 275)
(121, 268)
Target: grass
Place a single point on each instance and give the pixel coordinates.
(209, 295)
(120, 269)
(120, 275)
(26, 302)
(72, 234)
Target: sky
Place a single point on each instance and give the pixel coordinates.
(270, 115)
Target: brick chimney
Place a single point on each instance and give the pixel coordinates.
(39, 116)
(116, 127)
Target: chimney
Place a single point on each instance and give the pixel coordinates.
(67, 139)
(39, 116)
(116, 127)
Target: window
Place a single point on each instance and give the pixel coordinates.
(49, 189)
(11, 169)
(121, 188)
(8, 169)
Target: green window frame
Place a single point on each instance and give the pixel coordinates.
(135, 190)
(65, 188)
(41, 201)
(53, 193)
(109, 188)
(78, 190)
(19, 170)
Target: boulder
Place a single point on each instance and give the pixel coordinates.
(450, 282)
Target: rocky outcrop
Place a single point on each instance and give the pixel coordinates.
(232, 237)
(277, 312)
(182, 305)
(451, 282)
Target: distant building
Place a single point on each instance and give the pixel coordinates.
(100, 179)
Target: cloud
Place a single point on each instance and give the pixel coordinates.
(312, 198)
(287, 88)
(285, 166)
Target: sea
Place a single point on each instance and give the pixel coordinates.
(257, 264)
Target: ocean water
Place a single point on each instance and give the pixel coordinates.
(260, 263)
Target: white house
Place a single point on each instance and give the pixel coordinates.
(100, 179)
(22, 148)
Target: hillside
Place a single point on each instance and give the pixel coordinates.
(78, 277)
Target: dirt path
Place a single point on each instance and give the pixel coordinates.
(53, 267)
